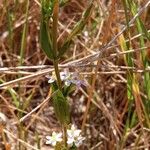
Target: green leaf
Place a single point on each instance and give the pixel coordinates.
(61, 107)
(146, 33)
(13, 95)
(54, 86)
(76, 30)
(45, 36)
(68, 89)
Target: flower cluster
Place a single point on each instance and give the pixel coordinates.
(68, 78)
(74, 137)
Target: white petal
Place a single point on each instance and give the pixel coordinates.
(67, 83)
(73, 132)
(70, 141)
(63, 76)
(48, 137)
(69, 133)
(56, 137)
(48, 142)
(77, 133)
(59, 139)
(59, 135)
(53, 143)
(51, 80)
(73, 127)
(54, 134)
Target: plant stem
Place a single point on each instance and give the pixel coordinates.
(55, 46)
(55, 27)
(55, 61)
(65, 135)
(57, 73)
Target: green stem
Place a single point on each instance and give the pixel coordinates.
(65, 136)
(55, 61)
(57, 73)
(55, 28)
(55, 46)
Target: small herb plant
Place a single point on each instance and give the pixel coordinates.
(62, 83)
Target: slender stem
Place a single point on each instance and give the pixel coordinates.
(55, 26)
(55, 61)
(55, 46)
(65, 136)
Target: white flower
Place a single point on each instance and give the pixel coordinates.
(51, 78)
(64, 75)
(68, 78)
(73, 78)
(74, 136)
(75, 140)
(56, 137)
(73, 132)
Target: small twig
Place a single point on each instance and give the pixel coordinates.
(38, 3)
(38, 74)
(67, 65)
(81, 61)
(96, 146)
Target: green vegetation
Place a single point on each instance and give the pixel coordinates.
(66, 62)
